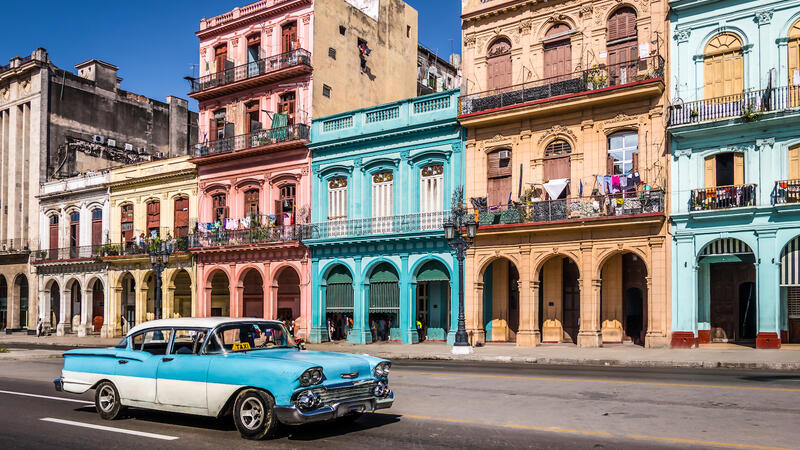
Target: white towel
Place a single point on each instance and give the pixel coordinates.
(555, 187)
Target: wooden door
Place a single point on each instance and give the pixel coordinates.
(127, 223)
(794, 65)
(251, 202)
(794, 163)
(710, 171)
(181, 219)
(498, 178)
(723, 72)
(153, 217)
(557, 54)
(220, 207)
(97, 227)
(289, 37)
(622, 46)
(287, 106)
(571, 300)
(738, 169)
(53, 232)
(253, 123)
(220, 57)
(499, 65)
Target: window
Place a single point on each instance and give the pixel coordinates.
(723, 71)
(154, 342)
(326, 90)
(54, 232)
(220, 205)
(499, 177)
(623, 153)
(724, 169)
(557, 52)
(289, 37)
(284, 208)
(217, 125)
(126, 223)
(287, 106)
(181, 221)
(342, 29)
(622, 46)
(432, 81)
(337, 198)
(248, 336)
(153, 218)
(558, 147)
(557, 164)
(251, 202)
(97, 226)
(499, 64)
(220, 58)
(254, 55)
(74, 232)
(332, 52)
(188, 342)
(253, 122)
(431, 195)
(382, 201)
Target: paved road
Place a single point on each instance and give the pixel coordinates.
(454, 405)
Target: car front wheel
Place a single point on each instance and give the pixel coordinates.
(253, 414)
(106, 400)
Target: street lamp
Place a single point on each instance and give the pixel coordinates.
(159, 258)
(460, 243)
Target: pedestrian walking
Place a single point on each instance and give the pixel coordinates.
(39, 326)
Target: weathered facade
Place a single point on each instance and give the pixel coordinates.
(434, 74)
(735, 132)
(566, 168)
(383, 178)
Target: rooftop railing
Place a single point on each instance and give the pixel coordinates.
(253, 140)
(67, 253)
(599, 77)
(252, 69)
(722, 197)
(572, 208)
(749, 106)
(376, 226)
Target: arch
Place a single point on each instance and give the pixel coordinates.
(211, 271)
(248, 182)
(251, 282)
(725, 246)
(624, 293)
(126, 286)
(96, 313)
(331, 265)
(608, 254)
(216, 188)
(723, 42)
(282, 179)
(70, 282)
(488, 260)
(431, 298)
(367, 270)
(334, 170)
(558, 28)
(380, 164)
(430, 155)
(559, 301)
(54, 300)
(338, 298)
(417, 266)
(288, 282)
(501, 45)
(219, 283)
(280, 267)
(500, 303)
(623, 5)
(723, 66)
(241, 272)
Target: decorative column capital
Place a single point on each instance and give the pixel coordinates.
(682, 35)
(764, 17)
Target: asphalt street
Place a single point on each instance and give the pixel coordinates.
(453, 405)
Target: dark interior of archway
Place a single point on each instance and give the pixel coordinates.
(288, 294)
(732, 301)
(634, 299)
(253, 294)
(129, 300)
(55, 304)
(3, 302)
(98, 315)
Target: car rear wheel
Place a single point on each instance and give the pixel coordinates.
(253, 414)
(106, 400)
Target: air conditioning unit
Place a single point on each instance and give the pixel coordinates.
(161, 155)
(143, 151)
(504, 154)
(112, 142)
(98, 139)
(129, 147)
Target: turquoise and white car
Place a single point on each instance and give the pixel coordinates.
(249, 368)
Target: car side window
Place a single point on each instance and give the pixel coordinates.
(188, 342)
(123, 343)
(154, 342)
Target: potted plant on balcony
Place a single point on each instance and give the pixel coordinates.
(597, 77)
(750, 113)
(693, 114)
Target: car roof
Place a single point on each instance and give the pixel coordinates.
(193, 322)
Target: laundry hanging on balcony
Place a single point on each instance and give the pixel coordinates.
(555, 187)
(278, 129)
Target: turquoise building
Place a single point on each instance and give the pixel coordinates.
(382, 182)
(734, 131)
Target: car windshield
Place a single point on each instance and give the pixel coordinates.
(246, 336)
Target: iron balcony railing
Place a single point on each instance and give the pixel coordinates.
(17, 246)
(255, 235)
(67, 253)
(572, 208)
(787, 191)
(375, 226)
(723, 197)
(749, 106)
(253, 140)
(252, 69)
(144, 246)
(598, 77)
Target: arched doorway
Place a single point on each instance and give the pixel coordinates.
(288, 294)
(252, 294)
(790, 291)
(727, 303)
(433, 302)
(3, 303)
(559, 300)
(55, 303)
(182, 298)
(150, 303)
(220, 295)
(75, 300)
(128, 302)
(623, 299)
(21, 290)
(338, 302)
(501, 301)
(98, 306)
(384, 302)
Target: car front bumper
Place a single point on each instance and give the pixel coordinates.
(292, 415)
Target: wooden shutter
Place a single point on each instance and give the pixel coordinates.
(497, 167)
(711, 171)
(738, 169)
(54, 236)
(153, 215)
(220, 57)
(499, 190)
(181, 219)
(289, 37)
(499, 65)
(97, 232)
(609, 165)
(278, 213)
(723, 66)
(557, 58)
(635, 161)
(621, 24)
(794, 66)
(794, 163)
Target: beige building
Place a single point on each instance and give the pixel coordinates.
(563, 104)
(150, 203)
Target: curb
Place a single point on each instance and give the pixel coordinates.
(30, 357)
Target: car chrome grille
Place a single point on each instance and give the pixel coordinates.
(330, 396)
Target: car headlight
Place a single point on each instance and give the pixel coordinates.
(311, 376)
(308, 400)
(382, 369)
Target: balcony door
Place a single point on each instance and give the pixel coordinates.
(431, 196)
(220, 58)
(74, 234)
(97, 227)
(498, 177)
(557, 163)
(499, 65)
(289, 37)
(622, 46)
(253, 55)
(723, 71)
(220, 205)
(181, 219)
(337, 207)
(53, 236)
(724, 169)
(382, 202)
(126, 223)
(287, 107)
(557, 53)
(153, 218)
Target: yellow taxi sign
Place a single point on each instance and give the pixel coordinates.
(239, 346)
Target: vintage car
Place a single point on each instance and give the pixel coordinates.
(249, 368)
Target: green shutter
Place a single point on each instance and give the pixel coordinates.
(432, 271)
(384, 290)
(339, 293)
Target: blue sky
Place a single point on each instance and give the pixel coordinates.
(153, 42)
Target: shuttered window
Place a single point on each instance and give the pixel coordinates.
(557, 53)
(382, 201)
(431, 196)
(339, 291)
(289, 37)
(499, 177)
(251, 202)
(622, 46)
(793, 301)
(499, 65)
(723, 70)
(794, 163)
(337, 206)
(794, 65)
(384, 290)
(126, 223)
(557, 163)
(54, 231)
(153, 218)
(181, 219)
(220, 207)
(97, 226)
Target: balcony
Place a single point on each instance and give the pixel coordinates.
(749, 106)
(787, 192)
(595, 207)
(267, 70)
(722, 197)
(67, 253)
(288, 136)
(597, 79)
(14, 246)
(387, 227)
(271, 234)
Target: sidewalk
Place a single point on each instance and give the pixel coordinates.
(708, 356)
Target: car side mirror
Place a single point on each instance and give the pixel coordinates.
(300, 343)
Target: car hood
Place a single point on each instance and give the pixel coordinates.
(334, 365)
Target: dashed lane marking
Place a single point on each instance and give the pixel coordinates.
(163, 437)
(25, 394)
(585, 380)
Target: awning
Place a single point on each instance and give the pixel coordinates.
(432, 271)
(790, 263)
(727, 246)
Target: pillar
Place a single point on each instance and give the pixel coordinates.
(141, 302)
(684, 293)
(360, 333)
(65, 322)
(453, 308)
(527, 303)
(86, 327)
(44, 309)
(206, 312)
(319, 290)
(408, 329)
(589, 334)
(768, 295)
(113, 321)
(273, 304)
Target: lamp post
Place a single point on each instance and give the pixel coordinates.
(159, 258)
(460, 243)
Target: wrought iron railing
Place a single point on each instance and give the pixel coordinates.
(253, 140)
(255, 235)
(723, 197)
(749, 106)
(786, 191)
(573, 83)
(572, 208)
(16, 246)
(143, 246)
(252, 70)
(67, 253)
(374, 226)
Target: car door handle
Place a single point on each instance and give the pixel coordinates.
(167, 359)
(123, 361)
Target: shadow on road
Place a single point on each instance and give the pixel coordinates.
(770, 378)
(324, 430)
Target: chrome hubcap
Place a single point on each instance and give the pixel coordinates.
(252, 413)
(106, 398)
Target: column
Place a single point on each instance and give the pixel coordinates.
(527, 303)
(273, 313)
(141, 303)
(360, 333)
(65, 322)
(589, 291)
(319, 290)
(768, 310)
(684, 293)
(235, 296)
(408, 329)
(86, 321)
(113, 320)
(206, 312)
(454, 286)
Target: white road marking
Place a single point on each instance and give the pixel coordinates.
(47, 397)
(112, 429)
